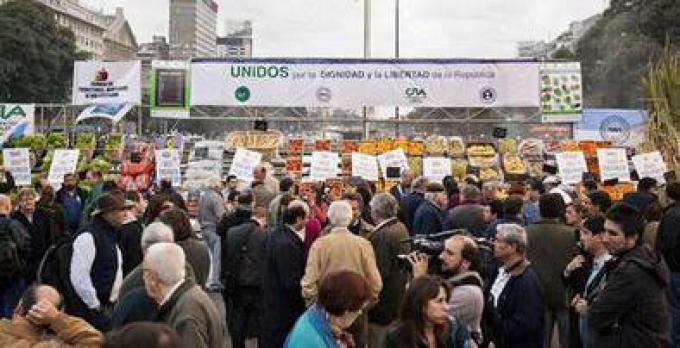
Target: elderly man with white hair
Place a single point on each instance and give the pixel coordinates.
(183, 305)
(516, 297)
(211, 210)
(341, 250)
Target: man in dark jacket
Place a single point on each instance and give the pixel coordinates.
(387, 242)
(40, 227)
(72, 199)
(516, 299)
(242, 214)
(550, 248)
(668, 243)
(632, 308)
(469, 215)
(243, 269)
(430, 215)
(167, 189)
(13, 238)
(183, 305)
(410, 203)
(130, 234)
(284, 269)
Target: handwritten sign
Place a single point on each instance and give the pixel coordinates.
(571, 165)
(613, 164)
(324, 165)
(651, 165)
(436, 168)
(365, 166)
(244, 164)
(167, 166)
(394, 158)
(63, 162)
(17, 162)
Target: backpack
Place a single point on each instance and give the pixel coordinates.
(12, 246)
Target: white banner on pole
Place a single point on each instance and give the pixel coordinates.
(613, 164)
(97, 82)
(167, 166)
(16, 120)
(244, 164)
(436, 168)
(353, 83)
(17, 161)
(651, 165)
(324, 165)
(394, 158)
(365, 166)
(571, 166)
(63, 162)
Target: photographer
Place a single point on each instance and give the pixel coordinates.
(461, 259)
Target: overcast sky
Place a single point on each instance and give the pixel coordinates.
(334, 28)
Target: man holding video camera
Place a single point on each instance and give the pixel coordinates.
(460, 259)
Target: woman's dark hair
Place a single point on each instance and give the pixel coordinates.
(231, 197)
(551, 206)
(157, 204)
(673, 191)
(343, 291)
(654, 211)
(413, 309)
(365, 191)
(497, 207)
(600, 199)
(133, 196)
(353, 196)
(450, 185)
(179, 222)
(513, 205)
(630, 220)
(142, 334)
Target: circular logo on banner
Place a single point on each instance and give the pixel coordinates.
(323, 94)
(242, 94)
(488, 95)
(615, 129)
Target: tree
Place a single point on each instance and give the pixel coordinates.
(36, 55)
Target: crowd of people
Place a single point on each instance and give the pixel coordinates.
(523, 264)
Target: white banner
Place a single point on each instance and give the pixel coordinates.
(353, 83)
(394, 158)
(112, 112)
(571, 166)
(324, 165)
(244, 164)
(436, 168)
(651, 165)
(167, 166)
(613, 164)
(17, 161)
(16, 120)
(96, 82)
(63, 162)
(365, 166)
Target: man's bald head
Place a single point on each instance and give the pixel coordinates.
(5, 204)
(38, 293)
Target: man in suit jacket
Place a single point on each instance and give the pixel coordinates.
(404, 187)
(284, 269)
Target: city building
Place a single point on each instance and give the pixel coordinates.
(98, 35)
(238, 43)
(193, 28)
(119, 40)
(157, 49)
(567, 40)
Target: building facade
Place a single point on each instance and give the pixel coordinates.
(193, 28)
(567, 40)
(98, 35)
(157, 49)
(238, 43)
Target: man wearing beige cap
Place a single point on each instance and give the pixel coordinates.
(96, 264)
